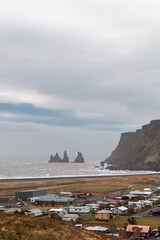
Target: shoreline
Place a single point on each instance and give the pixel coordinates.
(73, 177)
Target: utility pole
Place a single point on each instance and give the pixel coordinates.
(112, 223)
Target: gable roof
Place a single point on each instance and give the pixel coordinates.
(104, 211)
(111, 200)
(122, 208)
(140, 228)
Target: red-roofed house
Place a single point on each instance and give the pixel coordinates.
(138, 231)
(113, 201)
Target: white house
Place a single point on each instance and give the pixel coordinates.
(147, 203)
(138, 204)
(35, 212)
(2, 208)
(94, 206)
(102, 202)
(140, 192)
(79, 209)
(120, 210)
(57, 211)
(97, 229)
(78, 225)
(68, 194)
(153, 199)
(12, 210)
(70, 217)
(147, 189)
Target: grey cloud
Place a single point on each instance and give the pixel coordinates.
(60, 61)
(25, 113)
(85, 51)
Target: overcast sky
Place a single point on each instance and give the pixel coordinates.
(74, 74)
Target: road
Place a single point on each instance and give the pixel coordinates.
(92, 199)
(144, 214)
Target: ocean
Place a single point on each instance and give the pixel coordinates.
(40, 168)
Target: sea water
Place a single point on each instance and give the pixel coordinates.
(40, 168)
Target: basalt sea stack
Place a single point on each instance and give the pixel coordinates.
(138, 150)
(79, 158)
(57, 159)
(65, 157)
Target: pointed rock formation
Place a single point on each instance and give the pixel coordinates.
(65, 157)
(79, 158)
(55, 158)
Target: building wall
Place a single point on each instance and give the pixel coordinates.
(138, 234)
(24, 195)
(101, 216)
(156, 213)
(79, 210)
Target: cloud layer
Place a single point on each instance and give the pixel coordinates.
(91, 65)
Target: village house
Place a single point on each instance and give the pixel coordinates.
(141, 192)
(103, 214)
(120, 210)
(102, 203)
(94, 206)
(51, 199)
(25, 195)
(66, 194)
(111, 201)
(79, 209)
(70, 217)
(80, 225)
(34, 212)
(2, 208)
(147, 203)
(12, 210)
(54, 212)
(148, 189)
(97, 229)
(138, 231)
(154, 199)
(138, 204)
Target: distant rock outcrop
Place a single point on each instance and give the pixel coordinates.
(138, 150)
(65, 157)
(55, 158)
(79, 158)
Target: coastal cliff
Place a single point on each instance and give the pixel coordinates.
(138, 150)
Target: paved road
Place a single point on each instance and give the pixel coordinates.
(144, 214)
(92, 199)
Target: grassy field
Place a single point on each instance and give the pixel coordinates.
(19, 227)
(90, 188)
(99, 185)
(154, 223)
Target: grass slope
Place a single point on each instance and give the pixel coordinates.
(20, 227)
